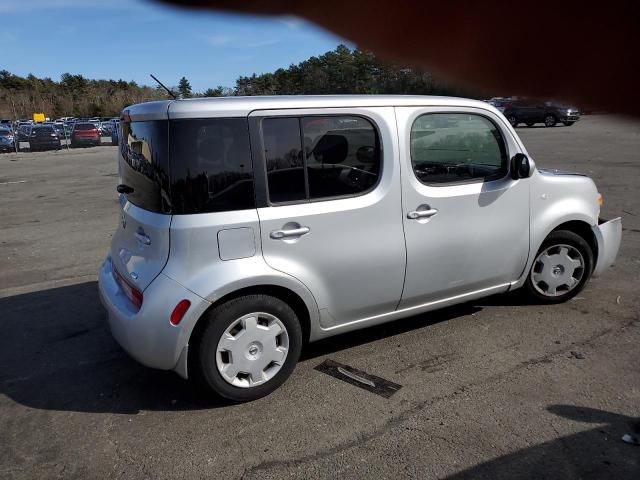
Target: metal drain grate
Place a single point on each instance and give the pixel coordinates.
(358, 378)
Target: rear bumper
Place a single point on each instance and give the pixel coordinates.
(85, 140)
(147, 335)
(608, 235)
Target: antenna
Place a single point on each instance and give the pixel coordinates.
(162, 85)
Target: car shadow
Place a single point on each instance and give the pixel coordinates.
(57, 353)
(591, 454)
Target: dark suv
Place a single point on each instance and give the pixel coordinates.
(549, 113)
(43, 137)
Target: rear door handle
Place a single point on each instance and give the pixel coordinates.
(418, 214)
(294, 232)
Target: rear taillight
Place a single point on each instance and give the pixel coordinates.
(131, 292)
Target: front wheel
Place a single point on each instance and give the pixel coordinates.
(561, 268)
(550, 121)
(248, 347)
(513, 120)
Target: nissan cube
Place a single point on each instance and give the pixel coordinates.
(250, 226)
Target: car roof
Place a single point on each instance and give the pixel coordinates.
(243, 106)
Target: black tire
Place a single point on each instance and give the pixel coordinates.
(562, 237)
(202, 354)
(529, 124)
(568, 124)
(513, 120)
(550, 121)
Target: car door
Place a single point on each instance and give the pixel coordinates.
(328, 190)
(466, 221)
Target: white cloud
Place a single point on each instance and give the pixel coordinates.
(219, 40)
(292, 23)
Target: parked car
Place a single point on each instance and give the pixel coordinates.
(23, 132)
(115, 132)
(43, 137)
(549, 113)
(7, 140)
(249, 226)
(499, 102)
(84, 134)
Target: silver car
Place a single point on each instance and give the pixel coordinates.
(250, 226)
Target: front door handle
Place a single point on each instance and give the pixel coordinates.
(294, 232)
(418, 214)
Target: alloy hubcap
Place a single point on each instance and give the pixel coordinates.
(557, 270)
(252, 350)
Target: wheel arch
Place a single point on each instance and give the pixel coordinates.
(581, 228)
(285, 294)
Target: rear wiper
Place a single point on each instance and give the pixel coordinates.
(122, 188)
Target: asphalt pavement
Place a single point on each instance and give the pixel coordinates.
(492, 389)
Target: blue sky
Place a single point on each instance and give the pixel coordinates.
(129, 39)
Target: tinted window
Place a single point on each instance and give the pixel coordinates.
(454, 147)
(210, 165)
(283, 155)
(84, 126)
(143, 146)
(342, 155)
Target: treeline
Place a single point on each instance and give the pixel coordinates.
(344, 71)
(73, 95)
(341, 71)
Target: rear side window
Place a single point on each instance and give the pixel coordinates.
(456, 147)
(320, 157)
(145, 165)
(211, 167)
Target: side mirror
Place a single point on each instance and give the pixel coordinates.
(520, 166)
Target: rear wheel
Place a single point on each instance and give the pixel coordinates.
(561, 268)
(513, 120)
(550, 121)
(248, 347)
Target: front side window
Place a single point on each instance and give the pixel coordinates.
(320, 157)
(456, 147)
(211, 168)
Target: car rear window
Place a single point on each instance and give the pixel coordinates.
(210, 165)
(84, 126)
(145, 164)
(188, 166)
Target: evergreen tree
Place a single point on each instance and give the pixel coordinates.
(184, 88)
